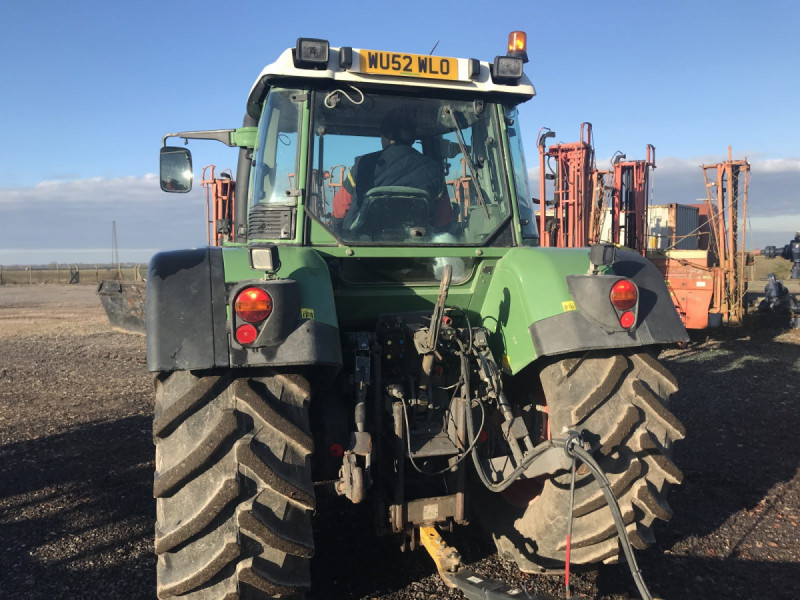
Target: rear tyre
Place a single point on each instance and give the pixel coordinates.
(617, 401)
(233, 485)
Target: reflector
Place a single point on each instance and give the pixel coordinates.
(627, 319)
(246, 334)
(336, 450)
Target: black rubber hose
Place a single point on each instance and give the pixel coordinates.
(605, 486)
(526, 461)
(570, 446)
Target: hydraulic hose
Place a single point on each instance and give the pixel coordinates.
(526, 461)
(605, 486)
(573, 449)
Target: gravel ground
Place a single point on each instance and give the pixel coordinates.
(76, 512)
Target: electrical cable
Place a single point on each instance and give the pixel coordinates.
(329, 101)
(567, 592)
(535, 453)
(469, 328)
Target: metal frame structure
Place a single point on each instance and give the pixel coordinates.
(573, 194)
(726, 197)
(630, 196)
(220, 193)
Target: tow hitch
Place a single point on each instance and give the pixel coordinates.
(456, 575)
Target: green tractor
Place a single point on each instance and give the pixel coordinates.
(381, 324)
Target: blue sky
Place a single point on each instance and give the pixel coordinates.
(87, 89)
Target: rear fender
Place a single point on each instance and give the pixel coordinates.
(540, 302)
(190, 323)
(303, 329)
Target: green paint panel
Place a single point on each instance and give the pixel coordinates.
(527, 285)
(320, 235)
(357, 302)
(304, 265)
(411, 251)
(245, 137)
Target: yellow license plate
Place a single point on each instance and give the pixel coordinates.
(408, 65)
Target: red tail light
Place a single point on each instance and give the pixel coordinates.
(253, 305)
(623, 294)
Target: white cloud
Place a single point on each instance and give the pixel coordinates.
(96, 190)
(78, 215)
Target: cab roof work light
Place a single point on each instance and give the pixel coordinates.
(507, 70)
(311, 53)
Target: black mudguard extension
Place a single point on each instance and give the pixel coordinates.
(185, 311)
(658, 322)
(187, 326)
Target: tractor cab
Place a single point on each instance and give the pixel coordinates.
(379, 148)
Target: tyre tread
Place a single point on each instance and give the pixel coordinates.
(235, 503)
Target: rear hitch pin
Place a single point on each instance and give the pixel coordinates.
(458, 576)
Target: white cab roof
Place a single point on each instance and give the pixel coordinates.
(285, 67)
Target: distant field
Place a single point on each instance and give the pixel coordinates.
(87, 275)
(95, 274)
(780, 266)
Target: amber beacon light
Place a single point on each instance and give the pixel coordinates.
(518, 45)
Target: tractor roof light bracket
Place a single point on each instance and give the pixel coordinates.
(601, 255)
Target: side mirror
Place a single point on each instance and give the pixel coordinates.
(175, 169)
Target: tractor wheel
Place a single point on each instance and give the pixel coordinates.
(233, 484)
(617, 401)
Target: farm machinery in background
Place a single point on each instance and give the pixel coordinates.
(777, 298)
(790, 251)
(124, 301)
(699, 248)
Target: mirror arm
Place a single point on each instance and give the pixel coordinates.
(220, 135)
